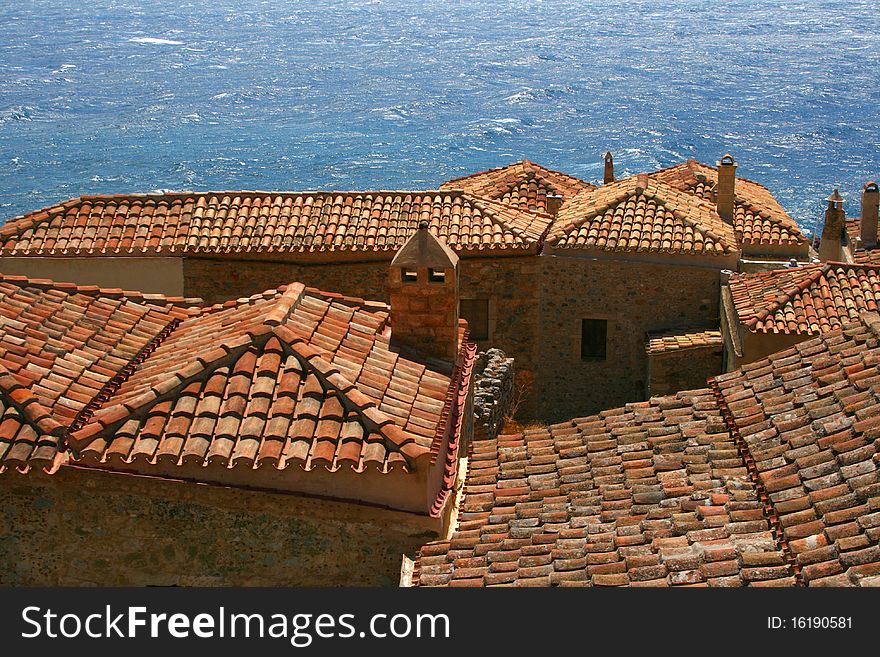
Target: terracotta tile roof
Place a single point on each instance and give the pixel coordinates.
(759, 220)
(810, 419)
(60, 345)
(659, 342)
(811, 299)
(640, 214)
(768, 478)
(523, 184)
(652, 494)
(288, 377)
(268, 223)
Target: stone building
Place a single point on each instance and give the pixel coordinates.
(567, 277)
(767, 477)
(295, 437)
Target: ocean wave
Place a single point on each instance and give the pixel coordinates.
(156, 41)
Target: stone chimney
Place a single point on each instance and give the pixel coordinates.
(832, 229)
(725, 190)
(609, 168)
(554, 202)
(868, 221)
(424, 296)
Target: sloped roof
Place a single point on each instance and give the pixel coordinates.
(649, 494)
(759, 219)
(523, 184)
(288, 377)
(670, 340)
(767, 478)
(639, 214)
(808, 300)
(60, 345)
(268, 223)
(809, 417)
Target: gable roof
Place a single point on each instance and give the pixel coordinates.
(523, 184)
(641, 215)
(268, 223)
(759, 220)
(283, 378)
(769, 477)
(60, 346)
(805, 300)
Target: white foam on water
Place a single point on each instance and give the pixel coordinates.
(156, 41)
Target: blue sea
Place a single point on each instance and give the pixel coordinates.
(112, 96)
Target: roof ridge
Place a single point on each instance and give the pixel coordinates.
(146, 298)
(12, 225)
(600, 192)
(497, 209)
(520, 163)
(380, 422)
(683, 215)
(797, 285)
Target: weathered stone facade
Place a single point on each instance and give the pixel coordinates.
(88, 527)
(684, 369)
(635, 298)
(494, 378)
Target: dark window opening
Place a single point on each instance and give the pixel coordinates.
(476, 312)
(594, 335)
(436, 276)
(410, 275)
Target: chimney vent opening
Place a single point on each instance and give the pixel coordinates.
(436, 276)
(409, 276)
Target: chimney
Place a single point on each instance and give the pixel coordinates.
(868, 221)
(609, 168)
(424, 296)
(554, 202)
(725, 190)
(832, 229)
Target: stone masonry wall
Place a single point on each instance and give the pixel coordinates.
(634, 298)
(88, 527)
(493, 392)
(684, 369)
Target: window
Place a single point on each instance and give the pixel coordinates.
(594, 333)
(409, 275)
(476, 312)
(436, 276)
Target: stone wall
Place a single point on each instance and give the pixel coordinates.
(493, 392)
(89, 527)
(684, 369)
(634, 298)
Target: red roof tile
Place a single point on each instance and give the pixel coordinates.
(650, 494)
(811, 422)
(267, 223)
(759, 219)
(768, 478)
(639, 214)
(60, 345)
(658, 342)
(291, 376)
(809, 299)
(523, 184)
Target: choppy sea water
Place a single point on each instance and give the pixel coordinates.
(110, 96)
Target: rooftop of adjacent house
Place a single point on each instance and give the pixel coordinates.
(679, 339)
(767, 478)
(269, 223)
(642, 215)
(810, 299)
(293, 376)
(759, 220)
(523, 184)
